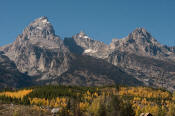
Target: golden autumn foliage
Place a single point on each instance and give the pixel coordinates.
(57, 102)
(16, 94)
(143, 92)
(144, 99)
(83, 106)
(96, 101)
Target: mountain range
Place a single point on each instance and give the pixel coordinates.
(38, 56)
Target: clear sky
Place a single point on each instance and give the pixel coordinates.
(100, 19)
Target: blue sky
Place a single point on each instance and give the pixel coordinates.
(100, 19)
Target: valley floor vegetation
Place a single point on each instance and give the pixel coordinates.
(88, 101)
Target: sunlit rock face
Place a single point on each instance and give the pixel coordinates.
(141, 42)
(140, 55)
(38, 51)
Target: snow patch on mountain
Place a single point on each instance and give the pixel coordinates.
(89, 51)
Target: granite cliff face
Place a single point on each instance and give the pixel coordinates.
(38, 51)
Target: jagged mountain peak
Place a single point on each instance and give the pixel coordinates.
(141, 42)
(38, 51)
(141, 34)
(40, 28)
(39, 32)
(82, 35)
(140, 30)
(43, 20)
(86, 45)
(138, 36)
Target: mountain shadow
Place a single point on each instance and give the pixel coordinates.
(89, 71)
(73, 47)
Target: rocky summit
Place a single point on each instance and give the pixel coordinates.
(86, 45)
(38, 51)
(40, 54)
(142, 43)
(138, 54)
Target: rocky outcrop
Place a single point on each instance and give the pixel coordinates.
(141, 43)
(153, 72)
(90, 71)
(138, 54)
(38, 51)
(85, 45)
(10, 76)
(172, 49)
